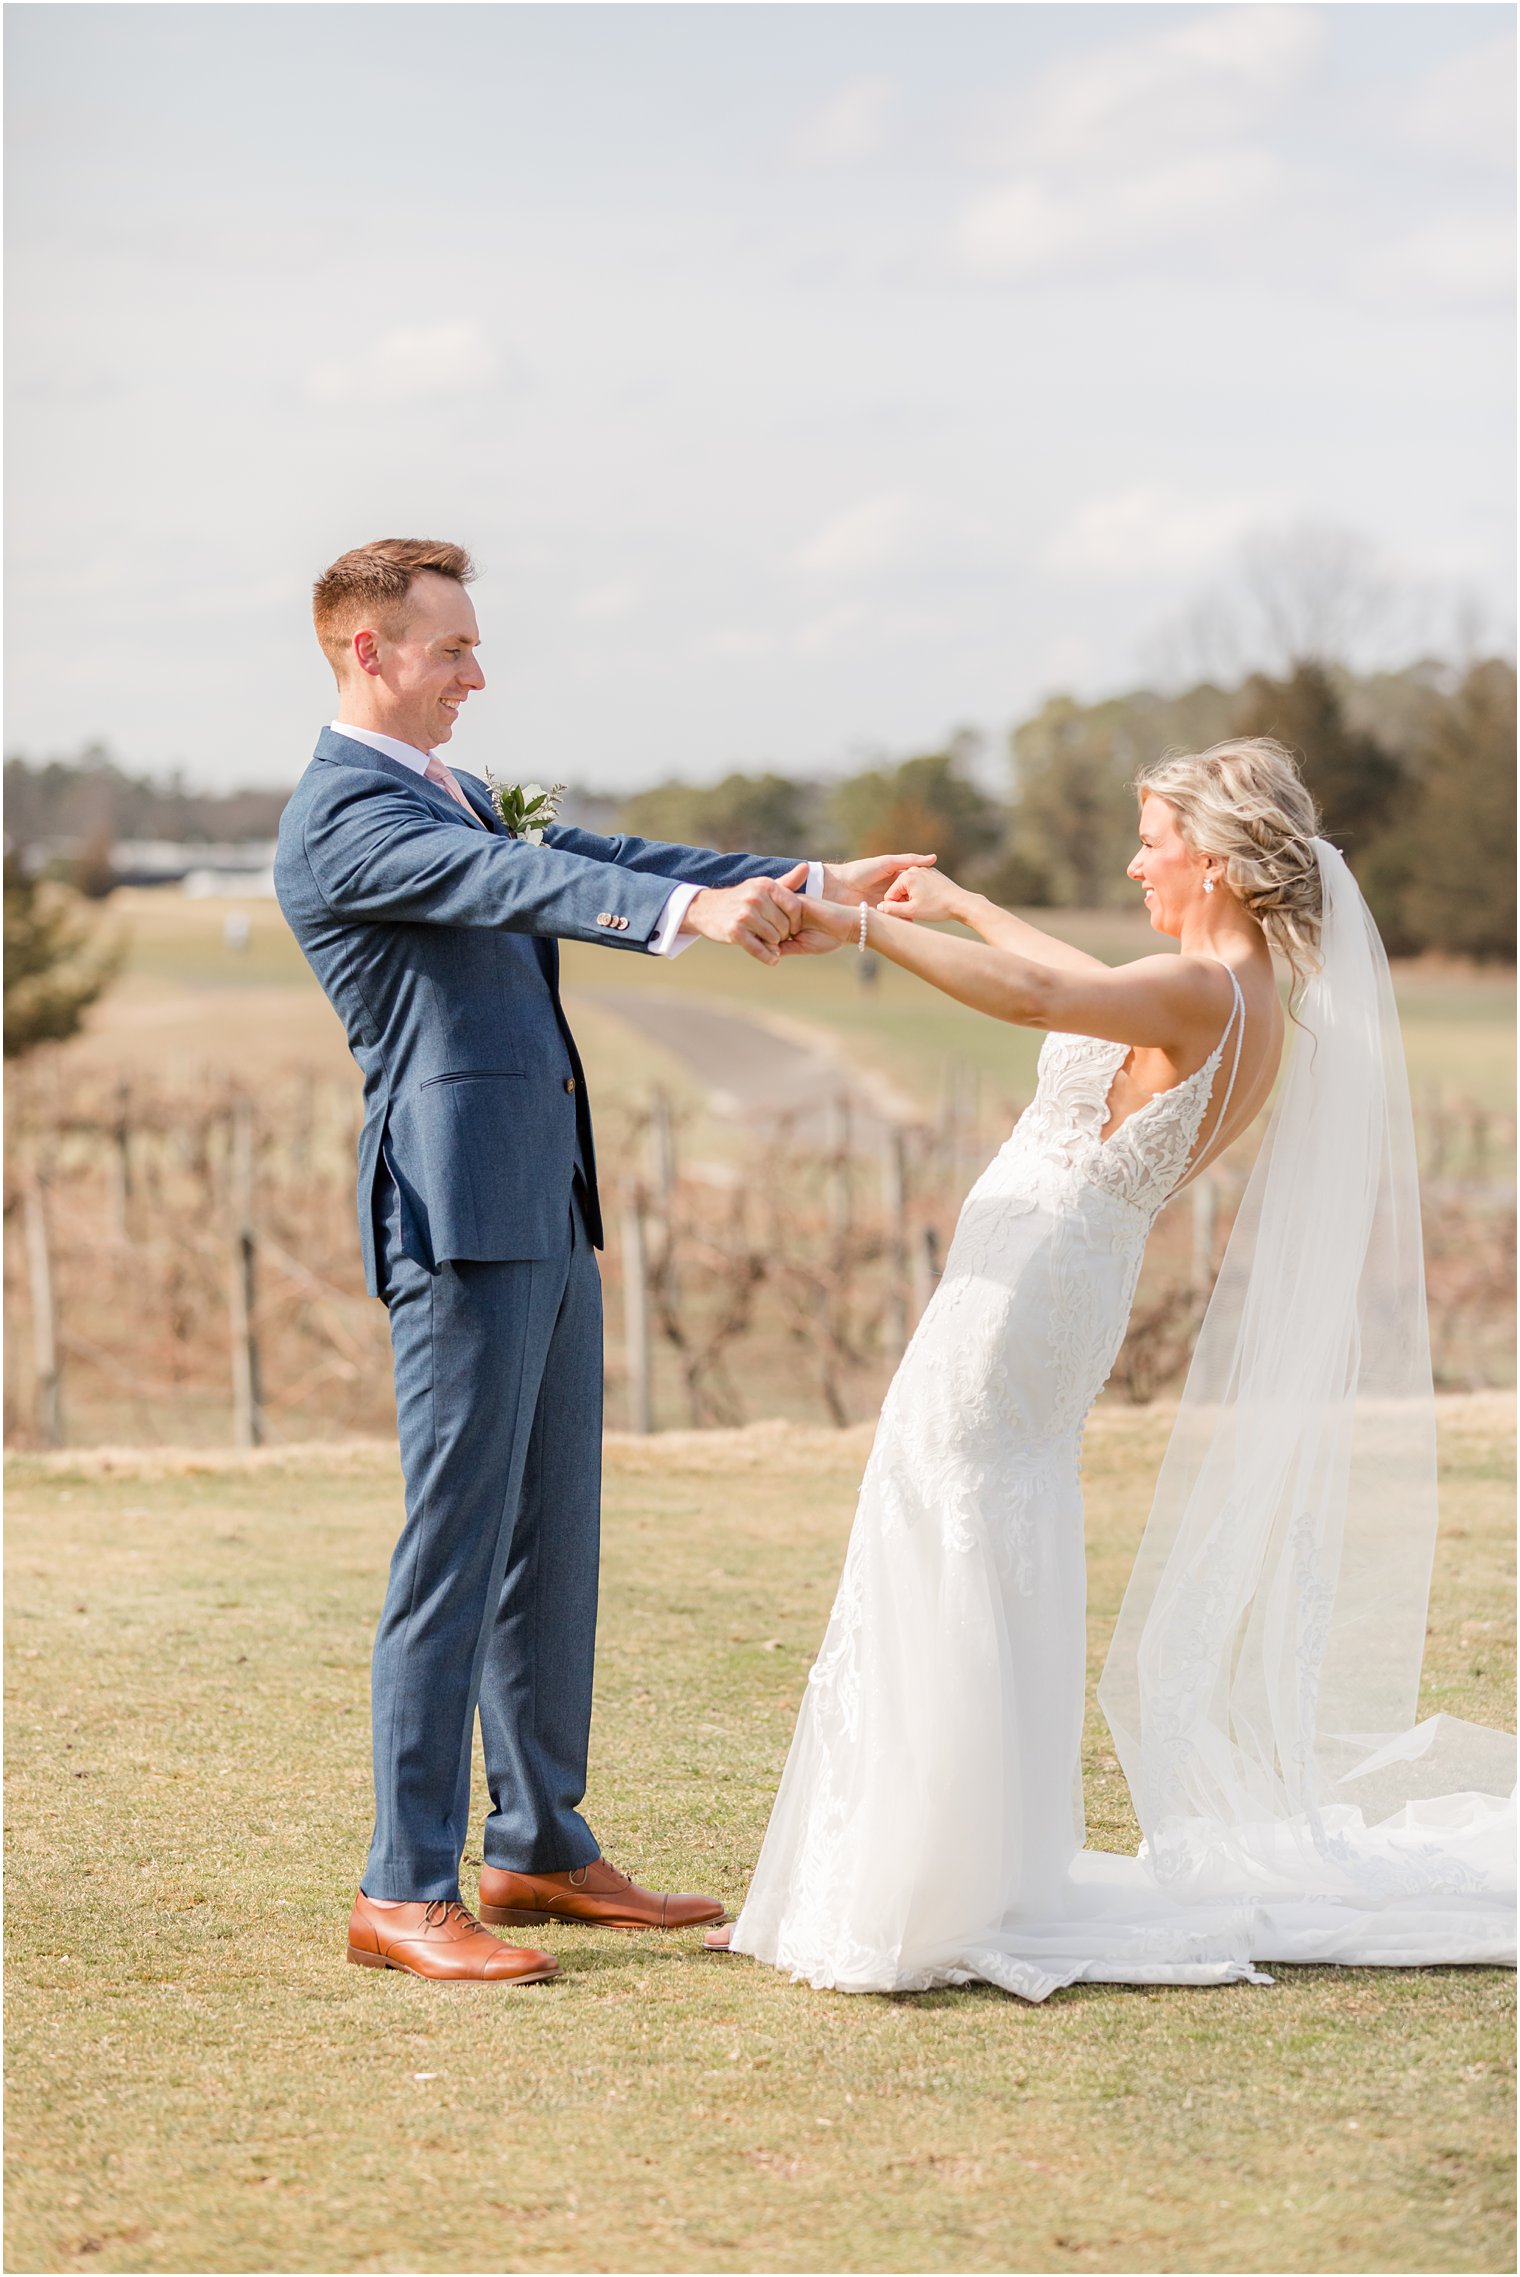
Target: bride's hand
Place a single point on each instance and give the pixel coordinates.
(823, 926)
(922, 893)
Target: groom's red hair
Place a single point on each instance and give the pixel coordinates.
(374, 580)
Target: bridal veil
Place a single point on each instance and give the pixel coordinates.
(1263, 1680)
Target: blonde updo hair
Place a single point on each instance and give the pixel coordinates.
(1246, 804)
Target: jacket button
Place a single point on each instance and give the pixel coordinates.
(569, 1082)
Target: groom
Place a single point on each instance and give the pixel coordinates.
(434, 935)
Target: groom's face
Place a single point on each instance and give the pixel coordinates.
(426, 662)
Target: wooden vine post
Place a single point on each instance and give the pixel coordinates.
(925, 1269)
(662, 1141)
(49, 1419)
(121, 1146)
(662, 1138)
(636, 1312)
(895, 1209)
(838, 1143)
(247, 1403)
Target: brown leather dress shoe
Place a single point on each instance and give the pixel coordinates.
(437, 1938)
(597, 1894)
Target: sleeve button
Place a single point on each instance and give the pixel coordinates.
(569, 1082)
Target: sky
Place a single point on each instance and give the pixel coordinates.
(808, 381)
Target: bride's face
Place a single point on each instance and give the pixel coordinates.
(1171, 873)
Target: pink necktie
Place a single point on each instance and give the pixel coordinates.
(447, 780)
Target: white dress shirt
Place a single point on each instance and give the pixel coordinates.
(667, 939)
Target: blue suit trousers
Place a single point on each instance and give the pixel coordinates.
(491, 1602)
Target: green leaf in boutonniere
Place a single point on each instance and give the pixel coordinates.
(525, 810)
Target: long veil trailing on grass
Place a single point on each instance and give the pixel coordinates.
(1264, 1674)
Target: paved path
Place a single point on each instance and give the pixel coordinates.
(761, 1073)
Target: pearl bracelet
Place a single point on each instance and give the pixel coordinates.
(865, 919)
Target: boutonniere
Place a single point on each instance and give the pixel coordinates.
(525, 810)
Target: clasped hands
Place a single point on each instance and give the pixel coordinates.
(770, 918)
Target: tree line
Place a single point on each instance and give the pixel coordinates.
(94, 802)
(1413, 772)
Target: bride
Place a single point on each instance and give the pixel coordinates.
(1263, 1677)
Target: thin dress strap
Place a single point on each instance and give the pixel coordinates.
(1237, 1022)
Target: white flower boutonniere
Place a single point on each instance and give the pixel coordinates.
(525, 809)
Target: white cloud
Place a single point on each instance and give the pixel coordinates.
(1203, 82)
(832, 630)
(849, 128)
(1070, 661)
(873, 535)
(1161, 139)
(1462, 260)
(1133, 532)
(1021, 227)
(739, 642)
(408, 365)
(600, 604)
(1268, 48)
(1027, 225)
(1465, 108)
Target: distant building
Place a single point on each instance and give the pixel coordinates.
(211, 869)
(209, 883)
(206, 870)
(197, 866)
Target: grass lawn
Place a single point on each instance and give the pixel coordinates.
(198, 2081)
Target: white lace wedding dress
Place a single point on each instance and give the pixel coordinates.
(928, 1829)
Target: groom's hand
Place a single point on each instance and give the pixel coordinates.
(757, 916)
(870, 878)
(825, 925)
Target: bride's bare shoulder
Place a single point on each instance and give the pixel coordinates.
(1161, 1002)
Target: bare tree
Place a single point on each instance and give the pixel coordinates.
(1303, 593)
(1315, 594)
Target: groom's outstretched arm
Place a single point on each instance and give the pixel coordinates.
(736, 898)
(865, 880)
(373, 852)
(658, 857)
(688, 914)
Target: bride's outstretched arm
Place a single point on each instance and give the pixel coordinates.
(1173, 1003)
(940, 896)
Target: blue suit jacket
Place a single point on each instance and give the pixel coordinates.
(436, 945)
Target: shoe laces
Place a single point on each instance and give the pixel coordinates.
(439, 1912)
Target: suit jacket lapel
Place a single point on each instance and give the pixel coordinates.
(545, 947)
(345, 752)
(480, 799)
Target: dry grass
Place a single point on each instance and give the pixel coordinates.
(198, 2083)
